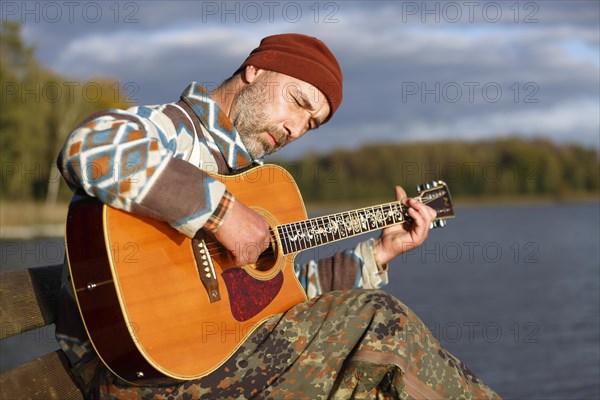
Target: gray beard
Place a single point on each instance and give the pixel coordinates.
(250, 118)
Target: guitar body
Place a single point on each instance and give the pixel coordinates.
(138, 284)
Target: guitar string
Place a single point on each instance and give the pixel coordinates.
(216, 249)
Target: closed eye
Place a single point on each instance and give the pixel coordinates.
(303, 102)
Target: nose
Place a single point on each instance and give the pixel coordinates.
(297, 125)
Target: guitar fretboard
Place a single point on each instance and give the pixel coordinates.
(303, 235)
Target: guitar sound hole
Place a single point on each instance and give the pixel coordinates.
(267, 259)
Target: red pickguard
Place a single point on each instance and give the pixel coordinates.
(249, 296)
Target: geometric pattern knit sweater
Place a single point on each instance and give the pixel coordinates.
(153, 161)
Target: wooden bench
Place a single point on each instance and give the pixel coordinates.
(29, 300)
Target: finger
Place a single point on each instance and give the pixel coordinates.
(433, 213)
(418, 218)
(421, 219)
(429, 213)
(417, 206)
(251, 252)
(400, 193)
(267, 239)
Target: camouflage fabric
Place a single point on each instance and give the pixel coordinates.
(362, 344)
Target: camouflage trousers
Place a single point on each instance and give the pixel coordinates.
(362, 344)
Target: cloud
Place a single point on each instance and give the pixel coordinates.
(572, 120)
(568, 122)
(532, 69)
(100, 52)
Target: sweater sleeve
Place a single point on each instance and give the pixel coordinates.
(136, 160)
(354, 268)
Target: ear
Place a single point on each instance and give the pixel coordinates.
(251, 73)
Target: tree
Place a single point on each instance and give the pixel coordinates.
(39, 110)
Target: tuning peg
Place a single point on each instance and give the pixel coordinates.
(427, 186)
(440, 223)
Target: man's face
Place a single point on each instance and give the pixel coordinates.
(274, 109)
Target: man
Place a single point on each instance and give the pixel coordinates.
(344, 342)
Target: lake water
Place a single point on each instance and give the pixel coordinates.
(513, 291)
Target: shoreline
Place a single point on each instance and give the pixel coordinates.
(463, 202)
(29, 232)
(56, 229)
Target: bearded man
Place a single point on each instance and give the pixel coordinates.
(349, 339)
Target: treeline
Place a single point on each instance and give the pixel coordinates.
(39, 109)
(498, 169)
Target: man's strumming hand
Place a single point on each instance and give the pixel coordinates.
(244, 233)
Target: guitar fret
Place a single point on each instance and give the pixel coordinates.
(391, 214)
(382, 215)
(297, 238)
(325, 224)
(356, 223)
(328, 226)
(282, 239)
(290, 239)
(340, 226)
(306, 237)
(288, 243)
(398, 213)
(293, 245)
(319, 230)
(330, 229)
(313, 232)
(370, 219)
(300, 239)
(314, 227)
(348, 224)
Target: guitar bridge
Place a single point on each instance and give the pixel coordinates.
(206, 269)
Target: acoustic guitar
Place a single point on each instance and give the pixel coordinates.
(160, 307)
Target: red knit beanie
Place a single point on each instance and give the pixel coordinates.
(302, 57)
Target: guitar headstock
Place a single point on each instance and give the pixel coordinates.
(437, 196)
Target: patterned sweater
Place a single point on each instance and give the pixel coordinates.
(153, 160)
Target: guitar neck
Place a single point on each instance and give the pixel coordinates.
(314, 232)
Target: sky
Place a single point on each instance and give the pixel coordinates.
(413, 70)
